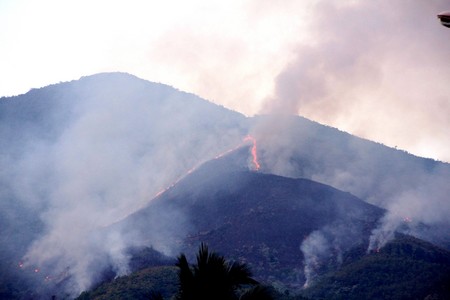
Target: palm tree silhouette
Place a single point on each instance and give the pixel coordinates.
(212, 277)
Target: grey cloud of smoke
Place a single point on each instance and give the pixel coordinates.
(424, 204)
(375, 69)
(316, 250)
(117, 147)
(324, 248)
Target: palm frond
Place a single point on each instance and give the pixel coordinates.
(240, 274)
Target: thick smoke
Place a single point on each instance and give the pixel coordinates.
(375, 69)
(323, 249)
(421, 210)
(368, 63)
(120, 142)
(414, 191)
(316, 251)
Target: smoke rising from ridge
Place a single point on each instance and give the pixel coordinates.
(121, 140)
(413, 190)
(425, 204)
(367, 64)
(374, 69)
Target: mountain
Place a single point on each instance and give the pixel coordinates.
(76, 156)
(406, 185)
(266, 220)
(79, 158)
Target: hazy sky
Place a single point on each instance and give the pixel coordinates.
(380, 70)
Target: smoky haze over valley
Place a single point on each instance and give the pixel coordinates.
(81, 157)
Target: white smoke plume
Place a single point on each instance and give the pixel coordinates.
(415, 209)
(316, 251)
(120, 141)
(324, 248)
(366, 65)
(374, 69)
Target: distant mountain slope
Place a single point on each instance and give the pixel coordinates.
(297, 147)
(77, 156)
(119, 100)
(408, 186)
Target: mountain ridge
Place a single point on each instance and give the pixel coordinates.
(89, 151)
(239, 211)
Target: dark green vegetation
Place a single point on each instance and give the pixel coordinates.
(406, 268)
(212, 277)
(143, 284)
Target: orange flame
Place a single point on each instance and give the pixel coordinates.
(255, 161)
(248, 138)
(254, 152)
